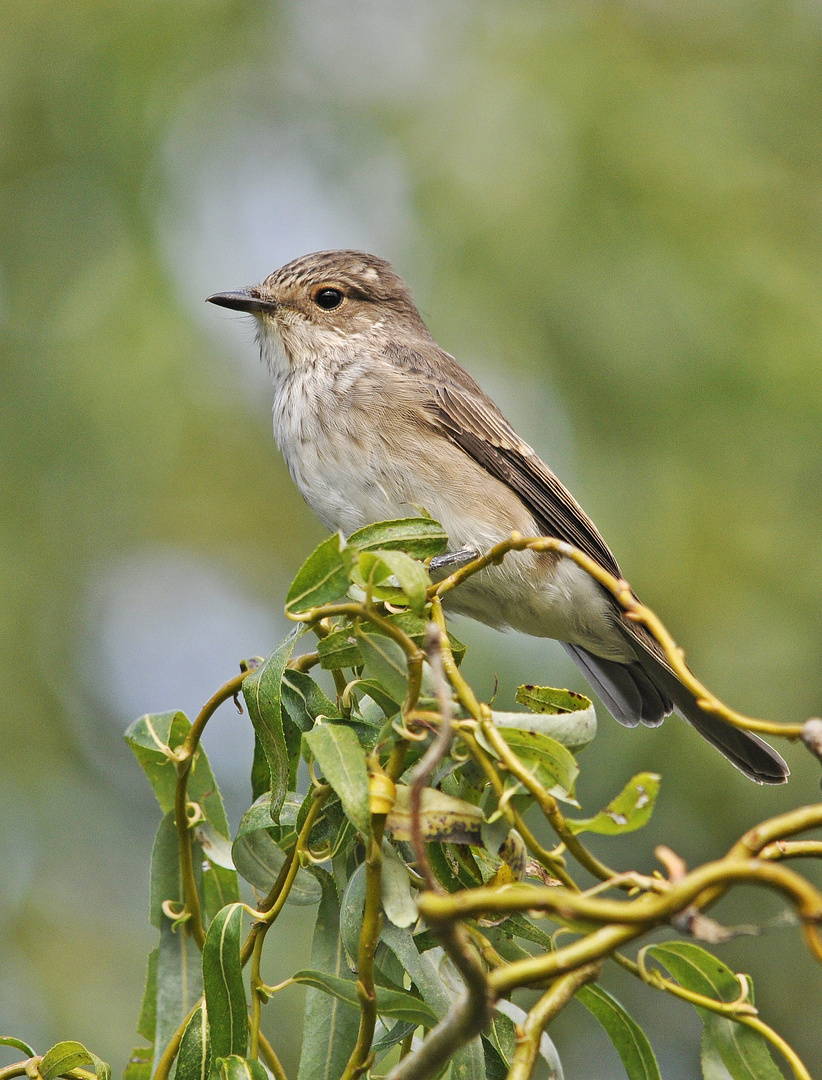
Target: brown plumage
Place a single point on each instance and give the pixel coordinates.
(375, 420)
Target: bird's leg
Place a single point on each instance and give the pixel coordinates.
(453, 560)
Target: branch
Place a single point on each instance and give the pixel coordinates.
(270, 909)
(648, 910)
(184, 760)
(551, 1003)
(438, 749)
(469, 702)
(546, 802)
(637, 612)
(469, 1016)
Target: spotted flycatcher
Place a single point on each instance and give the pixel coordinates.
(374, 421)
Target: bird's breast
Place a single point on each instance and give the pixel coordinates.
(358, 456)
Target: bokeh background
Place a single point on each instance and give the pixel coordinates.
(611, 212)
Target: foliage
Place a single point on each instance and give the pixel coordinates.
(607, 211)
(410, 838)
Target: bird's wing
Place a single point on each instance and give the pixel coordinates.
(475, 424)
(457, 408)
(461, 411)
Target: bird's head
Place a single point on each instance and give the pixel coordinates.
(326, 301)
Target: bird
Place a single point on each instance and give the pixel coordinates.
(375, 421)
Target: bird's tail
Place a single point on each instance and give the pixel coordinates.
(645, 691)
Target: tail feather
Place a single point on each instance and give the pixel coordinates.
(629, 694)
(645, 690)
(751, 755)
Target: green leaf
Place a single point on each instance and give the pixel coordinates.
(417, 629)
(386, 661)
(216, 848)
(323, 577)
(179, 984)
(340, 650)
(574, 730)
(152, 738)
(352, 908)
(495, 1067)
(194, 1055)
(515, 1015)
(396, 1034)
(523, 928)
(148, 1011)
(368, 688)
(502, 1036)
(138, 1066)
(397, 901)
(629, 1040)
(743, 1051)
(550, 700)
(443, 818)
(178, 969)
(305, 702)
(573, 727)
(330, 1027)
(259, 859)
(219, 887)
(223, 983)
(18, 1044)
(260, 772)
(71, 1055)
(165, 870)
(549, 762)
(713, 1068)
(234, 1067)
(208, 843)
(337, 751)
(398, 1004)
(411, 576)
(220, 884)
(262, 693)
(420, 537)
(419, 968)
(630, 810)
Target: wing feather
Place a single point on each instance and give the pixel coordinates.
(478, 428)
(461, 411)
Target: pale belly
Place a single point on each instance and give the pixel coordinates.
(352, 479)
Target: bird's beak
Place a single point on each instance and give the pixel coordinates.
(243, 300)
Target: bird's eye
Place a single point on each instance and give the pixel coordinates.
(328, 298)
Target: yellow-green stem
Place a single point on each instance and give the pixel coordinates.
(513, 817)
(622, 593)
(184, 759)
(551, 1003)
(546, 802)
(272, 906)
(767, 832)
(17, 1069)
(369, 936)
(775, 1039)
(650, 909)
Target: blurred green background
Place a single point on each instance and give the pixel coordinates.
(610, 212)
